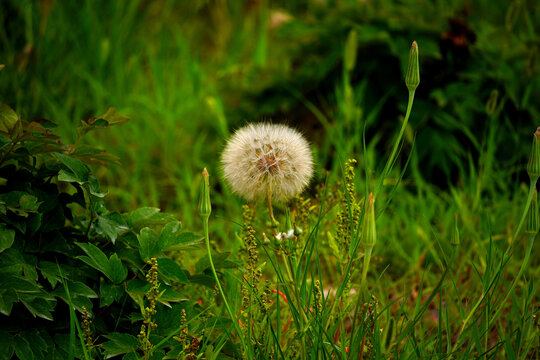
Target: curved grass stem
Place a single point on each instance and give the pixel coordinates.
(231, 314)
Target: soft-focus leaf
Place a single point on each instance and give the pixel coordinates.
(148, 244)
(8, 118)
(7, 237)
(171, 270)
(120, 344)
(118, 271)
(76, 167)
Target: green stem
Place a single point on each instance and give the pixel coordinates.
(231, 314)
(398, 140)
(367, 258)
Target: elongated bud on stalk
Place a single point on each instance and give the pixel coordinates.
(369, 232)
(533, 167)
(532, 223)
(412, 79)
(454, 240)
(205, 207)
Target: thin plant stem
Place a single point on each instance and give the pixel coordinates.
(231, 314)
(391, 159)
(365, 268)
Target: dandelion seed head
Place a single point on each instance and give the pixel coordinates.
(267, 156)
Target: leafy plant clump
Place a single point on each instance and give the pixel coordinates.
(78, 280)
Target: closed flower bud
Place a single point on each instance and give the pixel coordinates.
(533, 167)
(533, 221)
(205, 207)
(412, 79)
(369, 232)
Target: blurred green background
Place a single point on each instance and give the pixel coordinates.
(188, 73)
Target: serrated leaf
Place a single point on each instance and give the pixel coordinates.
(38, 307)
(7, 298)
(76, 167)
(49, 271)
(111, 225)
(120, 344)
(96, 258)
(22, 348)
(7, 237)
(8, 118)
(109, 293)
(148, 244)
(6, 344)
(113, 117)
(140, 214)
(171, 270)
(117, 269)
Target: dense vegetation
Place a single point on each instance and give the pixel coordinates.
(90, 267)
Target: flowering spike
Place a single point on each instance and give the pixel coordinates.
(369, 233)
(205, 207)
(412, 79)
(533, 167)
(533, 221)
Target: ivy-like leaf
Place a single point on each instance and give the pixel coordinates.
(171, 270)
(118, 271)
(76, 167)
(120, 344)
(7, 237)
(148, 243)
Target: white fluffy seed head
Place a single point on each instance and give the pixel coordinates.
(267, 156)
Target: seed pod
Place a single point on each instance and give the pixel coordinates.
(369, 233)
(533, 167)
(205, 207)
(532, 223)
(412, 79)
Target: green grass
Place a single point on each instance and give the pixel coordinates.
(189, 73)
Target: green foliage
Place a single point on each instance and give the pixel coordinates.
(60, 246)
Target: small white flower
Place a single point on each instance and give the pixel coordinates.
(267, 157)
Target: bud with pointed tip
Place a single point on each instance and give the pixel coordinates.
(369, 232)
(533, 167)
(412, 79)
(533, 221)
(205, 207)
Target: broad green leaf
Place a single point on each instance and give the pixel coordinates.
(38, 307)
(111, 225)
(112, 117)
(7, 237)
(148, 244)
(7, 298)
(120, 344)
(8, 118)
(171, 270)
(140, 214)
(78, 288)
(168, 235)
(76, 166)
(49, 271)
(220, 262)
(96, 258)
(118, 271)
(37, 343)
(19, 284)
(183, 241)
(22, 348)
(109, 293)
(6, 344)
(94, 189)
